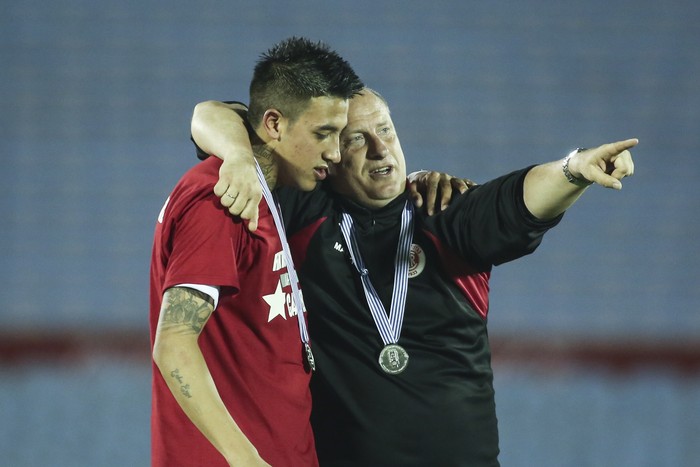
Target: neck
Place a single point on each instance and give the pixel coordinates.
(387, 208)
(266, 159)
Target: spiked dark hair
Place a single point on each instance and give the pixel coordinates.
(295, 70)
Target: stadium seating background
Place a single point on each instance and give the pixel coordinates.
(97, 99)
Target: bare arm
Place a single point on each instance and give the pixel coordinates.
(548, 193)
(219, 129)
(183, 315)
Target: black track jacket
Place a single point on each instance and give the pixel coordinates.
(440, 411)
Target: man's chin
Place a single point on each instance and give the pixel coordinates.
(307, 185)
(390, 193)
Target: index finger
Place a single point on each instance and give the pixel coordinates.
(620, 146)
(432, 191)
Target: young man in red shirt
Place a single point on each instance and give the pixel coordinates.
(230, 380)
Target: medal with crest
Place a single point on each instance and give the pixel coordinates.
(393, 358)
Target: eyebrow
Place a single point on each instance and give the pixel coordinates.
(327, 128)
(363, 129)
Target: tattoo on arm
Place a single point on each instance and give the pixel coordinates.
(185, 311)
(187, 306)
(184, 388)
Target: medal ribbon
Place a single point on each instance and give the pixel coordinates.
(389, 326)
(296, 293)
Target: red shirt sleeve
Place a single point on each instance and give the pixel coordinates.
(203, 242)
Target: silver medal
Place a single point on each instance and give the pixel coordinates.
(310, 360)
(393, 359)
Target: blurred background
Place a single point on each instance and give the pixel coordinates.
(596, 336)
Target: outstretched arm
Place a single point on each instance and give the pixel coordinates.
(547, 191)
(183, 315)
(219, 129)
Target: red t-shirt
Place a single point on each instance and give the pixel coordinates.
(251, 343)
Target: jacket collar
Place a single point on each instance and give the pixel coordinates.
(367, 216)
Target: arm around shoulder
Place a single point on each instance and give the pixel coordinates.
(219, 129)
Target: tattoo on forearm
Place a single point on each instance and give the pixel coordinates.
(187, 306)
(184, 388)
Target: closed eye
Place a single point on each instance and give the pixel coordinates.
(353, 140)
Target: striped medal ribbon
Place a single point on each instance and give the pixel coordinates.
(393, 358)
(296, 293)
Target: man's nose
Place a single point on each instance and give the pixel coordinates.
(377, 148)
(332, 155)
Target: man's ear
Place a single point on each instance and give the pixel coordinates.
(274, 122)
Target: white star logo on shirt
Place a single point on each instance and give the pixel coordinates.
(276, 301)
